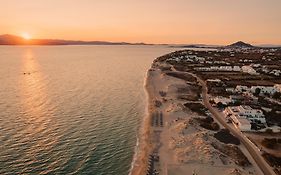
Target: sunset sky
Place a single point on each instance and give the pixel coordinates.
(150, 21)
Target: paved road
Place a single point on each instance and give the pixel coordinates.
(255, 153)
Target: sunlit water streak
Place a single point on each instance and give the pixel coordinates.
(71, 109)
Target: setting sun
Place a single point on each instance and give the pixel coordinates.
(26, 36)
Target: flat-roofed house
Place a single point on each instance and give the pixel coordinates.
(264, 89)
(223, 100)
(247, 112)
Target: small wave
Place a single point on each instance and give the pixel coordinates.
(136, 152)
(142, 130)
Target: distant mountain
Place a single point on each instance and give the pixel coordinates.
(240, 44)
(16, 40)
(11, 40)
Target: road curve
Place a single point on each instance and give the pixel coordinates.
(263, 165)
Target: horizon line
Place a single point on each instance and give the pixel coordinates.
(123, 42)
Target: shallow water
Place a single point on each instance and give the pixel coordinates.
(71, 109)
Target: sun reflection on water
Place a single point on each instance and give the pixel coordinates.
(36, 106)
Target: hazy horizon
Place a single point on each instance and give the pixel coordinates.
(177, 22)
(27, 42)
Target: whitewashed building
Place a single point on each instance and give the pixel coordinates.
(214, 80)
(223, 100)
(275, 72)
(264, 89)
(249, 70)
(232, 90)
(245, 112)
(236, 68)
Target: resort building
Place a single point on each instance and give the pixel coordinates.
(264, 89)
(246, 112)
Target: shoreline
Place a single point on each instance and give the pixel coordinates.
(143, 147)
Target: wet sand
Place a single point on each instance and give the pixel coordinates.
(140, 165)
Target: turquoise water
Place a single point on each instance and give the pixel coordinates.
(71, 109)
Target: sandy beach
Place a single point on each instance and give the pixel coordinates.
(140, 164)
(174, 138)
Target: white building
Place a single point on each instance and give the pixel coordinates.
(264, 89)
(232, 90)
(240, 88)
(236, 68)
(250, 112)
(249, 70)
(245, 112)
(276, 72)
(256, 65)
(195, 58)
(223, 100)
(214, 80)
(236, 98)
(225, 68)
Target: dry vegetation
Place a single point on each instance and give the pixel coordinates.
(234, 152)
(226, 137)
(274, 161)
(208, 123)
(199, 108)
(271, 143)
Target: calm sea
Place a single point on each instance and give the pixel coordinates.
(71, 109)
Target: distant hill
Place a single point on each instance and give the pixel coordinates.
(16, 40)
(11, 40)
(240, 44)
